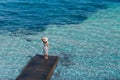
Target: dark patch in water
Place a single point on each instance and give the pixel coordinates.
(66, 61)
(34, 17)
(28, 40)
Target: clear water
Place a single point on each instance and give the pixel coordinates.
(85, 34)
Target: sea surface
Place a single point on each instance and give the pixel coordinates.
(85, 34)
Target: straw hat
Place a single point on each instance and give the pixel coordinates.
(44, 39)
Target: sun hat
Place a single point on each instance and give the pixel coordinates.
(44, 39)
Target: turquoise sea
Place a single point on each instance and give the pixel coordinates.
(85, 34)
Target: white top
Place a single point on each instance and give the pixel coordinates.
(45, 50)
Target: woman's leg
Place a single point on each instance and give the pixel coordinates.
(46, 56)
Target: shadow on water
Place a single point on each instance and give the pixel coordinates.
(33, 17)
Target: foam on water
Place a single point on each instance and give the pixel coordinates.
(88, 50)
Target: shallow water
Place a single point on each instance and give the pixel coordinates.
(84, 33)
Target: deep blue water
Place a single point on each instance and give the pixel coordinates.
(85, 34)
(35, 15)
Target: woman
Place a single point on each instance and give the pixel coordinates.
(45, 47)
